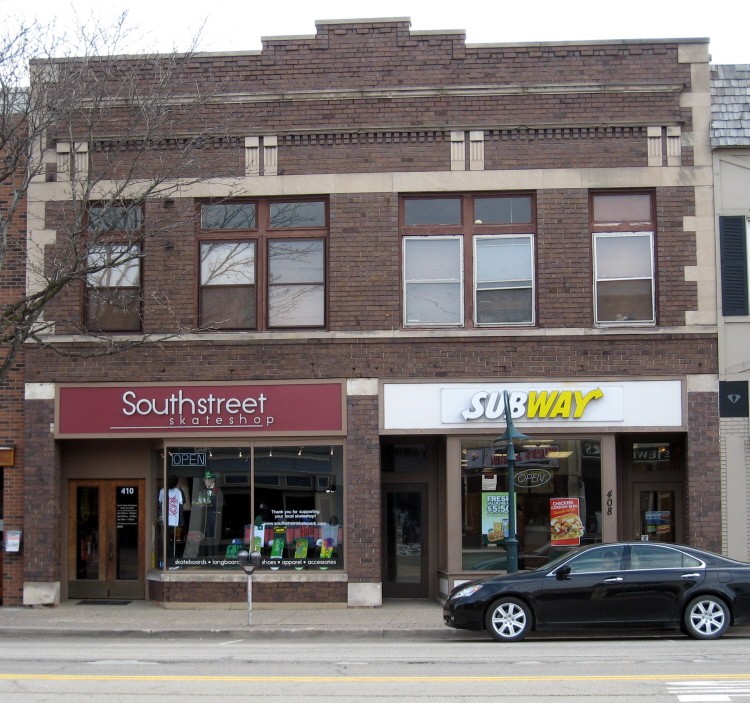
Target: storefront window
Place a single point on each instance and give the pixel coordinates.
(282, 501)
(558, 500)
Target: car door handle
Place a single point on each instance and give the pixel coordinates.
(614, 579)
(691, 576)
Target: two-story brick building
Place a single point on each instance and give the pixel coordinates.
(396, 228)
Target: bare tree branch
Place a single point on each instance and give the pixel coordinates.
(105, 136)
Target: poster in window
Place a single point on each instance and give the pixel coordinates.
(658, 522)
(566, 528)
(495, 517)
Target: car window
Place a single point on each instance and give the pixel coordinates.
(601, 559)
(651, 556)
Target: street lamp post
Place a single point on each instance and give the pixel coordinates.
(508, 438)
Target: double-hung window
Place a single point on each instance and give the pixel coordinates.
(433, 280)
(113, 288)
(468, 253)
(113, 281)
(263, 265)
(624, 270)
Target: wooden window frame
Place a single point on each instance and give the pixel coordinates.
(467, 229)
(262, 234)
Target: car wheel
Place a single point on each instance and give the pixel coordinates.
(706, 618)
(508, 620)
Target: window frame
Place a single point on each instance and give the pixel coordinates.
(270, 285)
(469, 230)
(107, 237)
(202, 287)
(516, 281)
(89, 289)
(623, 229)
(132, 211)
(262, 235)
(460, 282)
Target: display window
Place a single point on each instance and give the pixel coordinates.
(558, 500)
(284, 502)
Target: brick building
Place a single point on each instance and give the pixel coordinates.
(12, 286)
(396, 228)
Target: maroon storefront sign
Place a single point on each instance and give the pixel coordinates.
(289, 408)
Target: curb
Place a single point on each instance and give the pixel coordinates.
(250, 633)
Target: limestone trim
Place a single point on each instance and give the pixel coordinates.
(242, 338)
(408, 182)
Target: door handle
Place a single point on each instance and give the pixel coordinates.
(691, 576)
(614, 579)
(110, 554)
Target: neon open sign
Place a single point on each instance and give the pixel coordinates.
(188, 459)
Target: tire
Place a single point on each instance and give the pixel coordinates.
(508, 620)
(706, 618)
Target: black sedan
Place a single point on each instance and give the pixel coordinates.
(639, 584)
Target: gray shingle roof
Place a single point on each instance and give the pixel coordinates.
(730, 105)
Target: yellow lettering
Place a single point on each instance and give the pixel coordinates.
(564, 404)
(583, 400)
(540, 403)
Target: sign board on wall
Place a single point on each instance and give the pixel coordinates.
(580, 404)
(206, 409)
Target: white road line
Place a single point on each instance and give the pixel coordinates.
(708, 691)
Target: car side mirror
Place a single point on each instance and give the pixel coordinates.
(562, 573)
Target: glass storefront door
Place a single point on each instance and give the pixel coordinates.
(654, 483)
(658, 515)
(106, 530)
(404, 543)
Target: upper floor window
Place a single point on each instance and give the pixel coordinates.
(113, 283)
(433, 280)
(272, 273)
(227, 275)
(296, 283)
(228, 216)
(624, 271)
(300, 214)
(468, 253)
(114, 218)
(113, 289)
(504, 278)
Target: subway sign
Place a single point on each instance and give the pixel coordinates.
(564, 404)
(541, 404)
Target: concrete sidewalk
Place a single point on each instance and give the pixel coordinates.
(395, 618)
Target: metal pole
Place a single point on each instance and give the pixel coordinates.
(250, 598)
(508, 438)
(511, 543)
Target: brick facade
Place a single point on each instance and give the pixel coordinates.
(12, 286)
(363, 114)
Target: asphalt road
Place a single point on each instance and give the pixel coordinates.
(637, 668)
